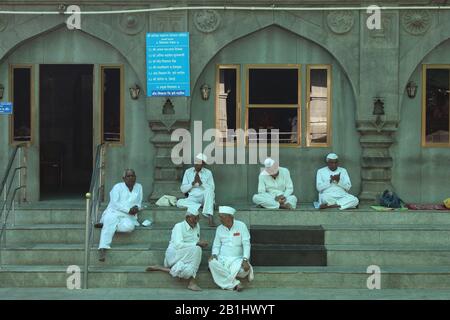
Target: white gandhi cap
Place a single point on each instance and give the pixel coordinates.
(227, 210)
(201, 157)
(332, 156)
(193, 210)
(269, 162)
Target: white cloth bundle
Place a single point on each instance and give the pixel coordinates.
(166, 201)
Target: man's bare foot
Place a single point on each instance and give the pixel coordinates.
(326, 206)
(286, 206)
(102, 255)
(98, 225)
(157, 268)
(238, 288)
(323, 206)
(193, 286)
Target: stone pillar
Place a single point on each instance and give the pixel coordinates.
(168, 175)
(376, 163)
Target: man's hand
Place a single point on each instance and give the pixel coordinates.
(212, 257)
(134, 210)
(245, 265)
(202, 244)
(197, 180)
(281, 199)
(336, 178)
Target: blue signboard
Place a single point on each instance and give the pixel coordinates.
(6, 107)
(168, 64)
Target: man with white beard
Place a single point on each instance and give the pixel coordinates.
(230, 252)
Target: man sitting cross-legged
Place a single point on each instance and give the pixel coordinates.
(184, 254)
(198, 182)
(275, 187)
(230, 252)
(333, 184)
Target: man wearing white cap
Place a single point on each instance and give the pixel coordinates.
(125, 201)
(230, 252)
(275, 187)
(198, 182)
(184, 254)
(333, 184)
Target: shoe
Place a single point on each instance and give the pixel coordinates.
(102, 255)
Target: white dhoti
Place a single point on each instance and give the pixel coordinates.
(226, 270)
(344, 200)
(183, 263)
(205, 198)
(268, 201)
(114, 221)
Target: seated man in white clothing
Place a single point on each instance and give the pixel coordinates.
(184, 254)
(198, 182)
(230, 252)
(121, 213)
(333, 184)
(275, 187)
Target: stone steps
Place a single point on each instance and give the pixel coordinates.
(266, 277)
(438, 235)
(412, 248)
(253, 217)
(139, 254)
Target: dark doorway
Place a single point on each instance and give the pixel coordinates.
(66, 133)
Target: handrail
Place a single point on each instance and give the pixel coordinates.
(6, 188)
(93, 200)
(12, 157)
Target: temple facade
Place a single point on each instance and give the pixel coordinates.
(327, 80)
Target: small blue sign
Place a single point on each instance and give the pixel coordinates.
(6, 107)
(168, 68)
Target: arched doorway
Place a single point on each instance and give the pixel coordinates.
(71, 74)
(422, 150)
(286, 56)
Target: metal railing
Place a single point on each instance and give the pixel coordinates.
(93, 199)
(8, 203)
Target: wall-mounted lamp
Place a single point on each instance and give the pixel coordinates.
(378, 107)
(205, 91)
(135, 91)
(411, 89)
(2, 90)
(378, 110)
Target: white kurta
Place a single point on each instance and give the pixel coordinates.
(203, 194)
(335, 193)
(230, 246)
(183, 256)
(116, 217)
(269, 188)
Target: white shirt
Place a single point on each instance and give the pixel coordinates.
(282, 185)
(324, 186)
(234, 242)
(189, 176)
(184, 236)
(121, 199)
